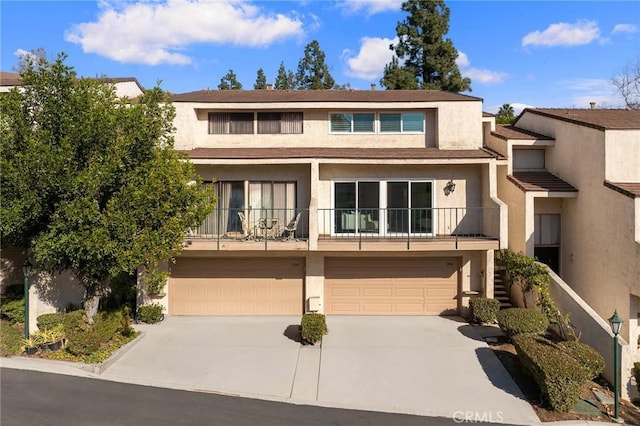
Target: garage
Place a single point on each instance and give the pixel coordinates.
(232, 286)
(403, 286)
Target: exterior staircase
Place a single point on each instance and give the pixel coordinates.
(500, 290)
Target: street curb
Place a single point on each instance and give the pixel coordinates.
(100, 368)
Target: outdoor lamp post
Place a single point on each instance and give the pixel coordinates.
(616, 326)
(26, 272)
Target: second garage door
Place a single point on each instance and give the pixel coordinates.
(257, 286)
(406, 286)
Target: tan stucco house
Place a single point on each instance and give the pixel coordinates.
(572, 184)
(394, 195)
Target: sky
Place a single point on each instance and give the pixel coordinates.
(525, 53)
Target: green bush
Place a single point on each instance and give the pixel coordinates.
(11, 341)
(84, 343)
(484, 310)
(515, 321)
(312, 327)
(151, 313)
(106, 324)
(75, 322)
(558, 375)
(50, 320)
(13, 310)
(590, 360)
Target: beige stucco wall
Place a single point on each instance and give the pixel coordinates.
(127, 88)
(515, 198)
(622, 162)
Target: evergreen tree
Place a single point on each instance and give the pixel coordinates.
(313, 73)
(261, 80)
(425, 54)
(396, 77)
(230, 82)
(286, 79)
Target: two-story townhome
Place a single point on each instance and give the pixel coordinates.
(572, 184)
(343, 202)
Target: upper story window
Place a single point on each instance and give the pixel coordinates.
(235, 123)
(402, 122)
(348, 122)
(279, 122)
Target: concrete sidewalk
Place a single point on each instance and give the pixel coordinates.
(433, 366)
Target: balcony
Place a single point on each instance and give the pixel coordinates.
(348, 229)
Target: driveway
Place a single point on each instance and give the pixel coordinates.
(436, 366)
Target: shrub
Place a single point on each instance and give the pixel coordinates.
(590, 360)
(312, 327)
(558, 375)
(50, 320)
(515, 321)
(151, 313)
(84, 343)
(11, 341)
(13, 310)
(75, 322)
(484, 310)
(106, 324)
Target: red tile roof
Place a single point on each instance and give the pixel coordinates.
(630, 189)
(339, 153)
(511, 132)
(540, 181)
(224, 96)
(601, 119)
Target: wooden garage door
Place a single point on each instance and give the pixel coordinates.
(201, 286)
(407, 286)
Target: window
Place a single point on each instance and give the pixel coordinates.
(279, 122)
(235, 123)
(405, 122)
(348, 122)
(383, 206)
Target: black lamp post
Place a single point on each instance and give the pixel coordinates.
(26, 272)
(616, 325)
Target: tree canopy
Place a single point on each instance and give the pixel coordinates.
(506, 114)
(426, 60)
(627, 84)
(91, 183)
(285, 80)
(230, 82)
(261, 80)
(313, 73)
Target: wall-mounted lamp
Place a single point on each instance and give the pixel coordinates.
(449, 188)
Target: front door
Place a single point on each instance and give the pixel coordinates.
(547, 240)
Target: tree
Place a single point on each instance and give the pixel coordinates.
(261, 80)
(285, 80)
(506, 114)
(230, 82)
(313, 73)
(423, 51)
(91, 183)
(628, 84)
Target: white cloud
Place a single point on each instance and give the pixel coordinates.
(564, 34)
(158, 32)
(478, 75)
(625, 29)
(20, 53)
(371, 59)
(370, 7)
(586, 90)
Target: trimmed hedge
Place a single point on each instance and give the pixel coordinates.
(151, 313)
(50, 320)
(11, 341)
(559, 376)
(312, 327)
(514, 321)
(13, 310)
(484, 310)
(590, 360)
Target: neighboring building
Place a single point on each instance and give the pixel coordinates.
(395, 194)
(9, 80)
(572, 185)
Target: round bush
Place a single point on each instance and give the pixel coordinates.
(590, 360)
(151, 313)
(50, 320)
(84, 343)
(313, 327)
(514, 321)
(484, 310)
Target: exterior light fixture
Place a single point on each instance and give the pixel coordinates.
(26, 272)
(616, 325)
(449, 187)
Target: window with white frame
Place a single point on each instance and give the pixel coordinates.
(402, 122)
(352, 122)
(387, 207)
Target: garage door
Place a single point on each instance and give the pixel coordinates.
(408, 286)
(201, 286)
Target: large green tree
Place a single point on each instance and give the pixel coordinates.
(261, 80)
(91, 183)
(286, 79)
(425, 55)
(313, 73)
(230, 82)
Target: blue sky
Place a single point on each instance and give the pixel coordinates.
(541, 54)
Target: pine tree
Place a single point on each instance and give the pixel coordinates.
(313, 73)
(261, 80)
(286, 79)
(230, 82)
(425, 54)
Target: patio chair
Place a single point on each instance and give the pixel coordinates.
(247, 231)
(289, 230)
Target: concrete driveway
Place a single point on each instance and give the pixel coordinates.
(436, 366)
